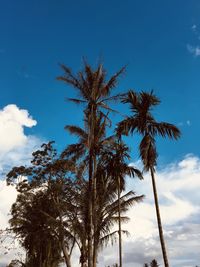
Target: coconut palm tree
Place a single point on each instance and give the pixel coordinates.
(95, 93)
(142, 121)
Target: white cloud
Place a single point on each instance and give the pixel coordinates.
(15, 146)
(15, 149)
(12, 121)
(178, 187)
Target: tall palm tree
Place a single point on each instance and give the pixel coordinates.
(109, 212)
(95, 92)
(115, 163)
(80, 151)
(143, 122)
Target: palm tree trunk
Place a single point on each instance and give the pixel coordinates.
(94, 212)
(120, 233)
(162, 241)
(90, 207)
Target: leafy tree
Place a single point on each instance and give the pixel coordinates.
(142, 121)
(57, 193)
(30, 225)
(39, 210)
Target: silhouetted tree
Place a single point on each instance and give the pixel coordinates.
(142, 121)
(115, 163)
(56, 193)
(95, 90)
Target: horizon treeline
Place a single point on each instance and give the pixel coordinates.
(77, 199)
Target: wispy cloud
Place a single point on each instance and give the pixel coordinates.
(187, 123)
(195, 50)
(194, 27)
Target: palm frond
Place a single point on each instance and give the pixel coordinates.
(75, 130)
(76, 101)
(164, 129)
(112, 82)
(112, 237)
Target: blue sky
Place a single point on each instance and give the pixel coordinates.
(153, 38)
(159, 41)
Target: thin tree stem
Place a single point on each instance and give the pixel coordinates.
(120, 233)
(162, 241)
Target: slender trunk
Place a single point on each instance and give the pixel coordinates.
(92, 181)
(94, 212)
(90, 207)
(83, 256)
(120, 233)
(62, 240)
(95, 256)
(66, 255)
(162, 241)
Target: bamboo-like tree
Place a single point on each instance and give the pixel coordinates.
(95, 90)
(142, 121)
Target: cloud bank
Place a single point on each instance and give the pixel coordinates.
(15, 149)
(178, 186)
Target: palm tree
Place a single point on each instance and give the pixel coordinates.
(143, 122)
(115, 164)
(95, 93)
